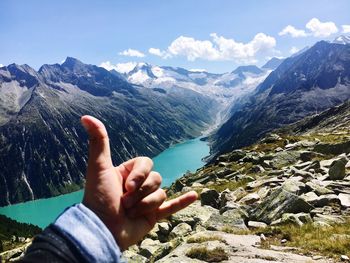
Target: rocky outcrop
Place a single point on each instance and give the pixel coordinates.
(280, 181)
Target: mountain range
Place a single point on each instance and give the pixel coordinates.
(304, 84)
(43, 146)
(146, 109)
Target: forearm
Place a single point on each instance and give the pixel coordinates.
(77, 235)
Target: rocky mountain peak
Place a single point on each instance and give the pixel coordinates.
(247, 69)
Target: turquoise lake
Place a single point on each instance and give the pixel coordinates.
(171, 164)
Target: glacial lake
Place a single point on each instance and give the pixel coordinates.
(171, 164)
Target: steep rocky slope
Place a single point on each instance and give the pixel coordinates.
(287, 195)
(42, 144)
(308, 83)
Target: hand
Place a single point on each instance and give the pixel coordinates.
(127, 198)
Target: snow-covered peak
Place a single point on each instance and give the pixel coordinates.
(342, 40)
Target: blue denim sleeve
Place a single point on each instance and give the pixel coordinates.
(88, 233)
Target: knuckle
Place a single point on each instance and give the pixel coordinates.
(157, 178)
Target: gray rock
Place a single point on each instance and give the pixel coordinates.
(164, 228)
(337, 169)
(257, 169)
(271, 138)
(256, 224)
(180, 230)
(294, 186)
(278, 203)
(210, 197)
(131, 256)
(329, 219)
(344, 199)
(339, 148)
(250, 199)
(232, 219)
(318, 189)
(296, 219)
(193, 214)
(148, 247)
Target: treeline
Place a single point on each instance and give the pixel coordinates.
(11, 230)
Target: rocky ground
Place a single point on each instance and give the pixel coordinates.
(248, 197)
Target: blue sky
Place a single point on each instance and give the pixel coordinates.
(212, 35)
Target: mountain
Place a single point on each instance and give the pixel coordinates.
(247, 69)
(343, 40)
(43, 146)
(273, 63)
(310, 82)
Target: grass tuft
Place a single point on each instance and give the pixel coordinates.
(209, 255)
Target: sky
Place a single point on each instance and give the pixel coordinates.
(216, 36)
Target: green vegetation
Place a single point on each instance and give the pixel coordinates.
(10, 228)
(328, 241)
(209, 255)
(201, 239)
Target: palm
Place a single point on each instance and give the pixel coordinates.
(126, 198)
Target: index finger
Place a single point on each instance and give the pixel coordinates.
(172, 206)
(135, 172)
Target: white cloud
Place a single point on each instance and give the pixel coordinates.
(321, 29)
(221, 48)
(1, 65)
(132, 53)
(120, 67)
(158, 52)
(291, 30)
(294, 50)
(346, 28)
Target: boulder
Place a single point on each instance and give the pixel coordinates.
(278, 203)
(296, 219)
(334, 149)
(316, 187)
(148, 247)
(256, 224)
(329, 219)
(271, 138)
(344, 199)
(294, 186)
(180, 230)
(337, 169)
(193, 214)
(210, 197)
(233, 218)
(250, 199)
(131, 256)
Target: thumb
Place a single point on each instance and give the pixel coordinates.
(99, 150)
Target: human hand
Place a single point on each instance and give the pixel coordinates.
(127, 198)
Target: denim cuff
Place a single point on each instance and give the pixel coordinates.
(88, 233)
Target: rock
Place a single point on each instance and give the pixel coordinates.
(294, 186)
(210, 197)
(271, 138)
(325, 200)
(230, 219)
(337, 169)
(344, 199)
(263, 181)
(262, 238)
(222, 173)
(278, 149)
(232, 156)
(153, 234)
(250, 199)
(309, 197)
(193, 214)
(164, 228)
(307, 155)
(148, 247)
(236, 195)
(317, 188)
(329, 219)
(304, 174)
(283, 241)
(296, 219)
(131, 256)
(285, 158)
(334, 149)
(344, 258)
(256, 224)
(180, 230)
(278, 203)
(257, 169)
(263, 192)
